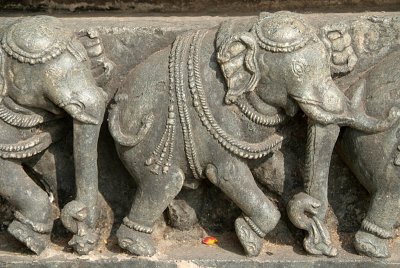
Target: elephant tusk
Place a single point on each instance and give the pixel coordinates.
(87, 119)
(76, 113)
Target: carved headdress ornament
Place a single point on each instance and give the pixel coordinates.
(281, 32)
(36, 39)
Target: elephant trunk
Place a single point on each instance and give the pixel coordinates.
(326, 104)
(84, 209)
(302, 211)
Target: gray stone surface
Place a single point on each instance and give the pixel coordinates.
(204, 6)
(192, 254)
(127, 42)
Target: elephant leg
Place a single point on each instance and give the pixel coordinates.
(33, 222)
(260, 215)
(378, 226)
(153, 195)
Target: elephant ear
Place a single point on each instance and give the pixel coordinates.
(339, 43)
(101, 66)
(237, 59)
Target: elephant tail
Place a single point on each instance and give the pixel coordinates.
(127, 139)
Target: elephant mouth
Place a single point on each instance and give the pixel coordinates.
(301, 99)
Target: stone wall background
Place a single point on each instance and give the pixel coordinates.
(128, 40)
(203, 6)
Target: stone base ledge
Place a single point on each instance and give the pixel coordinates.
(190, 254)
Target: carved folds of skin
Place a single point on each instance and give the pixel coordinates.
(237, 50)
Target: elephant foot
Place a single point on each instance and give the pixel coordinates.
(137, 243)
(371, 245)
(83, 244)
(35, 241)
(250, 240)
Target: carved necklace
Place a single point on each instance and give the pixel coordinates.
(238, 147)
(183, 109)
(162, 155)
(257, 117)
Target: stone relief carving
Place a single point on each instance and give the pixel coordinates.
(212, 105)
(338, 41)
(46, 75)
(272, 67)
(358, 151)
(374, 159)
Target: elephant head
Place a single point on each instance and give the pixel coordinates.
(282, 61)
(48, 70)
(43, 45)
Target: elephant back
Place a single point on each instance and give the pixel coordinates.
(36, 39)
(383, 86)
(382, 92)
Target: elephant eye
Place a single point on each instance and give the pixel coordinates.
(78, 104)
(299, 68)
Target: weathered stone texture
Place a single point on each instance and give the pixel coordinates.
(128, 41)
(190, 6)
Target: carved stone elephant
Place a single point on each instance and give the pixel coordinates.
(210, 106)
(45, 75)
(375, 159)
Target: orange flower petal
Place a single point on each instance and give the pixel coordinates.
(209, 240)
